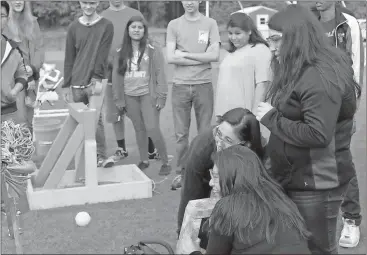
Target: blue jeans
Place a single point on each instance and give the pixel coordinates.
(320, 209)
(83, 96)
(351, 207)
(184, 97)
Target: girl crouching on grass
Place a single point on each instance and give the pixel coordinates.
(254, 215)
(140, 89)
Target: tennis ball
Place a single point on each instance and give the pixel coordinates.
(82, 219)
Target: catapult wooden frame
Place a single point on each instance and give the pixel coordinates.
(53, 186)
(11, 217)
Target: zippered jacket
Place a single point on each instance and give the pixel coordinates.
(12, 72)
(158, 85)
(348, 36)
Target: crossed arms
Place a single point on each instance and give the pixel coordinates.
(187, 59)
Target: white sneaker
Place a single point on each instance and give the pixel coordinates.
(350, 234)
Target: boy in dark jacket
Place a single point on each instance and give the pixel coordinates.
(344, 32)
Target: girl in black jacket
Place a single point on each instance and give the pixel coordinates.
(254, 215)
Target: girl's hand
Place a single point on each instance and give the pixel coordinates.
(262, 109)
(121, 107)
(160, 103)
(29, 71)
(159, 106)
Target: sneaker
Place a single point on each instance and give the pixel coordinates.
(165, 169)
(119, 154)
(143, 165)
(176, 183)
(105, 163)
(154, 155)
(350, 234)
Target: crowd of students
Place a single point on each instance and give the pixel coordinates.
(279, 153)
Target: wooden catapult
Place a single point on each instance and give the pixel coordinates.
(53, 185)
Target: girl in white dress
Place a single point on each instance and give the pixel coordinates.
(244, 73)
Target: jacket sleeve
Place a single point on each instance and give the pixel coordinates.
(117, 81)
(198, 162)
(319, 109)
(20, 75)
(160, 73)
(39, 52)
(355, 48)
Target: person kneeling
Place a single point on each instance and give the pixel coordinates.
(254, 215)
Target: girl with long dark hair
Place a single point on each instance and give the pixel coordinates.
(140, 88)
(237, 126)
(310, 117)
(244, 73)
(24, 29)
(254, 215)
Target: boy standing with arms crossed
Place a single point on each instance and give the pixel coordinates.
(193, 43)
(88, 43)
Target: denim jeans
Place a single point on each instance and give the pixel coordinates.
(83, 96)
(320, 209)
(184, 97)
(351, 207)
(145, 118)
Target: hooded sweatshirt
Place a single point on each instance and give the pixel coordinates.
(12, 72)
(348, 37)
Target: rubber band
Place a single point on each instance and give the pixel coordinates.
(16, 143)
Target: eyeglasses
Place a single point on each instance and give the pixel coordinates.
(213, 176)
(274, 38)
(217, 133)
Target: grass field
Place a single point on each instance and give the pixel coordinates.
(119, 224)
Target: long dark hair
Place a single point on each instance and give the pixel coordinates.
(126, 52)
(304, 44)
(251, 199)
(247, 128)
(245, 23)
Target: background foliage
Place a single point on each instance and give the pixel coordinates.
(61, 13)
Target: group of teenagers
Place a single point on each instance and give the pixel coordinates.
(279, 153)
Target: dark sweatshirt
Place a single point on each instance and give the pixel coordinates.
(287, 241)
(311, 133)
(86, 52)
(195, 182)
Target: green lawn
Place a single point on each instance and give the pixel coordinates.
(119, 224)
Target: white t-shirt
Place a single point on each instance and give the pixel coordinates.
(239, 73)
